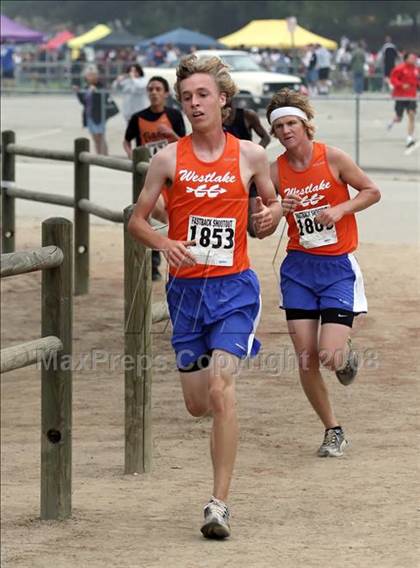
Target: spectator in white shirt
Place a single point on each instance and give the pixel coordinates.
(323, 65)
(134, 90)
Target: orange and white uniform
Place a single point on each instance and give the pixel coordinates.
(150, 136)
(216, 303)
(320, 275)
(317, 189)
(208, 203)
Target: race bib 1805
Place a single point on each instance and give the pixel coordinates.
(215, 239)
(311, 233)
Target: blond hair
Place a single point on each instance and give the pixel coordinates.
(214, 66)
(287, 97)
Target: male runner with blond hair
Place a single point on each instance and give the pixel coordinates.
(213, 295)
(320, 277)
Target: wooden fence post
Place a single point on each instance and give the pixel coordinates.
(138, 351)
(56, 376)
(8, 203)
(140, 154)
(81, 220)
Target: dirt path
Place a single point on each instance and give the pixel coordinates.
(290, 509)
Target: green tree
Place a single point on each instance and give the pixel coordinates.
(369, 18)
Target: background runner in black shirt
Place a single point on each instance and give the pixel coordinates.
(157, 125)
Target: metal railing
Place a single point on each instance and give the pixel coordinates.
(66, 73)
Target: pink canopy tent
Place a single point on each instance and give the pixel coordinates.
(13, 32)
(58, 40)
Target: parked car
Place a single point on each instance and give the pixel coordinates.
(255, 84)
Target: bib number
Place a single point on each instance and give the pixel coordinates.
(156, 145)
(215, 240)
(311, 233)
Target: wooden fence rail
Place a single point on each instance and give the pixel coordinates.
(52, 351)
(121, 164)
(83, 207)
(28, 353)
(20, 150)
(99, 211)
(42, 197)
(20, 262)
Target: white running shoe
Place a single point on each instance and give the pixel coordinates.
(216, 519)
(333, 444)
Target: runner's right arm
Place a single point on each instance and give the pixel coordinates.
(161, 168)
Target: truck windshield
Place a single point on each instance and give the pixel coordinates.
(241, 63)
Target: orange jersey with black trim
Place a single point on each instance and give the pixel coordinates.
(208, 204)
(150, 135)
(317, 189)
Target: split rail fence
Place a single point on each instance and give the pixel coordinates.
(80, 201)
(139, 312)
(55, 261)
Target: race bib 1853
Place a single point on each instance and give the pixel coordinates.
(215, 239)
(311, 233)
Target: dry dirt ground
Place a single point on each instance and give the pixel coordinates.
(290, 508)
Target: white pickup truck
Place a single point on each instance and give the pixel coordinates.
(255, 84)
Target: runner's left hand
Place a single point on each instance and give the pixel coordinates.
(289, 204)
(330, 215)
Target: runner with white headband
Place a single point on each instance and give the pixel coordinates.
(287, 111)
(321, 281)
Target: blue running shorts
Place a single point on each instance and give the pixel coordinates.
(319, 282)
(214, 313)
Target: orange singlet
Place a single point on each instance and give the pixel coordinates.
(317, 189)
(155, 140)
(208, 203)
(150, 136)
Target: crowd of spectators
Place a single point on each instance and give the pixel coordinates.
(353, 66)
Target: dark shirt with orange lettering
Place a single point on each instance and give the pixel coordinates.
(145, 127)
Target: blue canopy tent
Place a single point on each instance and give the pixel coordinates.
(184, 39)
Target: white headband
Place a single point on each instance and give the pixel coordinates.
(287, 111)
